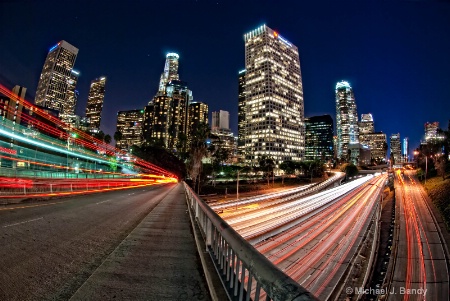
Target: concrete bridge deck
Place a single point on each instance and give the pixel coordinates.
(158, 260)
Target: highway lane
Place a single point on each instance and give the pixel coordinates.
(420, 271)
(49, 249)
(326, 231)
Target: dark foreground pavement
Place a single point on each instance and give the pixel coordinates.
(158, 260)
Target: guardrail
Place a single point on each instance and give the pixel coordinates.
(246, 274)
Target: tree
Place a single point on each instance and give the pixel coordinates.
(197, 150)
(267, 165)
(118, 136)
(107, 139)
(288, 167)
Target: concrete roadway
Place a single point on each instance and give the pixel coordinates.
(420, 271)
(49, 249)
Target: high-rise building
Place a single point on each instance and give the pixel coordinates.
(346, 119)
(433, 132)
(366, 125)
(129, 123)
(274, 111)
(56, 87)
(319, 138)
(220, 120)
(377, 144)
(198, 113)
(396, 149)
(166, 116)
(405, 149)
(12, 108)
(241, 110)
(94, 105)
(170, 71)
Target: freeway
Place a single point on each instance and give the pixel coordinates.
(49, 249)
(420, 271)
(313, 239)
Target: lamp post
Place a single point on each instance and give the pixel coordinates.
(426, 168)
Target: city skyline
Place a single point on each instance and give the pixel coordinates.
(396, 65)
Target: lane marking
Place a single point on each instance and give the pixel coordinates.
(31, 206)
(102, 202)
(31, 220)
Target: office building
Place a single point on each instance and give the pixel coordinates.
(166, 116)
(56, 87)
(220, 121)
(433, 133)
(241, 111)
(319, 138)
(396, 150)
(129, 124)
(11, 108)
(274, 111)
(170, 71)
(377, 144)
(405, 150)
(366, 125)
(346, 120)
(94, 105)
(198, 113)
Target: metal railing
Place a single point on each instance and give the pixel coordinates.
(246, 274)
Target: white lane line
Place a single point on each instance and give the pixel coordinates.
(102, 202)
(31, 220)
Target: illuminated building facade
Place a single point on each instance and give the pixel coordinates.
(170, 71)
(377, 144)
(166, 116)
(405, 149)
(319, 138)
(220, 120)
(366, 125)
(274, 111)
(396, 148)
(12, 109)
(241, 110)
(56, 87)
(346, 119)
(433, 132)
(198, 113)
(94, 105)
(129, 123)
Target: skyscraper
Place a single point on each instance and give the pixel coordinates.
(220, 120)
(396, 148)
(241, 113)
(405, 149)
(56, 89)
(170, 71)
(95, 103)
(198, 113)
(129, 123)
(346, 119)
(376, 141)
(366, 125)
(274, 112)
(319, 138)
(166, 116)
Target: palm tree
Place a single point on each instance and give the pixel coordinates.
(198, 149)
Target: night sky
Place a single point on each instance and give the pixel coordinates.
(395, 54)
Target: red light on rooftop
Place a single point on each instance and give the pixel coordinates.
(275, 34)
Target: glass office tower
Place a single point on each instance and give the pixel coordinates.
(274, 111)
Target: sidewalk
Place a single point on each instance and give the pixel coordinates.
(157, 261)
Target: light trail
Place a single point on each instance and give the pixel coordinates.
(317, 235)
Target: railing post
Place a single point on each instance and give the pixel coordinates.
(208, 233)
(51, 188)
